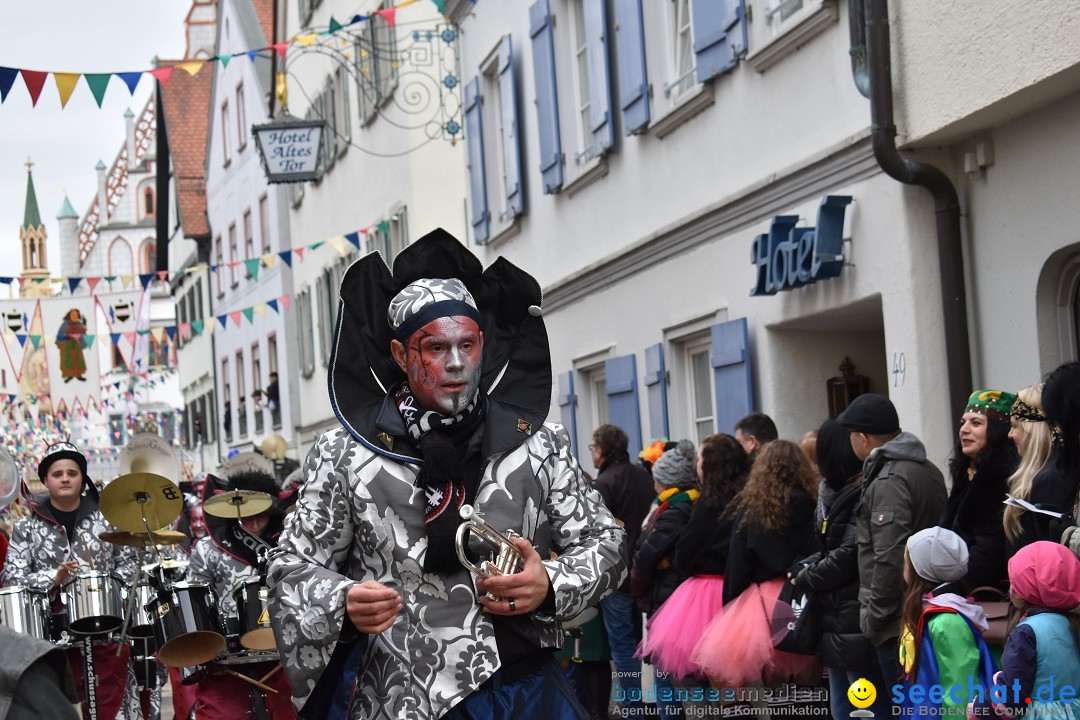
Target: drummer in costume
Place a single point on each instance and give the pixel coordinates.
(222, 559)
(53, 543)
(369, 554)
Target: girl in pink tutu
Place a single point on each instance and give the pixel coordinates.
(700, 559)
(773, 527)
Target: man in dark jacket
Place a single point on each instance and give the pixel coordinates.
(35, 680)
(902, 493)
(627, 491)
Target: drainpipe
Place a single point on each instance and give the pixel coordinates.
(857, 31)
(946, 203)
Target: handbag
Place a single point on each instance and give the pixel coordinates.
(997, 613)
(796, 611)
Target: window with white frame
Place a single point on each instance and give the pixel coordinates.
(580, 47)
(598, 399)
(241, 131)
(233, 255)
(698, 372)
(220, 268)
(225, 130)
(399, 231)
(249, 241)
(264, 223)
(682, 47)
(376, 63)
(306, 339)
(342, 121)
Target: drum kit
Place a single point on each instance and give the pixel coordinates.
(165, 618)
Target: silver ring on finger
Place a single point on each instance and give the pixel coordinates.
(510, 602)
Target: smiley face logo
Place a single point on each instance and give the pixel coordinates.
(862, 693)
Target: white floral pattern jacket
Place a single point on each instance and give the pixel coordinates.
(361, 517)
(221, 571)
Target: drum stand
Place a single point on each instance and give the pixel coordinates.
(142, 498)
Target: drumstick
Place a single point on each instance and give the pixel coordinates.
(253, 681)
(270, 674)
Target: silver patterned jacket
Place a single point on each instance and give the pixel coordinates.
(39, 544)
(361, 517)
(221, 571)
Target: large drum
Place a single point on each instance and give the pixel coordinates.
(95, 603)
(24, 610)
(142, 622)
(251, 605)
(187, 625)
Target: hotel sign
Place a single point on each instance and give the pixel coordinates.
(788, 257)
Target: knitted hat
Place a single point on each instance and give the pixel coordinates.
(871, 414)
(938, 554)
(1047, 575)
(427, 299)
(991, 403)
(61, 451)
(676, 466)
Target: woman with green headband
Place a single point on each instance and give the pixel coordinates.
(982, 462)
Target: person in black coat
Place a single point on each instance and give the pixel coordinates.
(832, 574)
(984, 459)
(1057, 485)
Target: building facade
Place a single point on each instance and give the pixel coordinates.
(693, 184)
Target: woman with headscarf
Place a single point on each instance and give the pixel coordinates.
(1033, 436)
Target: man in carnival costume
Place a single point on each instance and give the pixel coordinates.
(48, 548)
(441, 378)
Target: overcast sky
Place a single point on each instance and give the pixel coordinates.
(65, 144)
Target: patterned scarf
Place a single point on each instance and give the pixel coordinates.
(1022, 411)
(441, 440)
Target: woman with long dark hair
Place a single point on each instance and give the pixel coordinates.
(1055, 487)
(982, 462)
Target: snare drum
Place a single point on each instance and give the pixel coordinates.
(255, 634)
(24, 610)
(95, 603)
(187, 625)
(142, 622)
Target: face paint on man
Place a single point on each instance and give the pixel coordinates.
(442, 363)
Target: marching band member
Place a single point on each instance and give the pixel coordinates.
(427, 428)
(226, 556)
(49, 547)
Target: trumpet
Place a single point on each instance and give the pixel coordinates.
(504, 558)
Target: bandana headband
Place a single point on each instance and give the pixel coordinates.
(1027, 413)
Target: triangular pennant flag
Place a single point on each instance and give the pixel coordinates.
(115, 341)
(286, 257)
(142, 331)
(131, 79)
(225, 59)
(384, 228)
(65, 85)
(162, 74)
(284, 301)
(306, 40)
(334, 25)
(127, 280)
(235, 315)
(280, 47)
(92, 282)
(316, 246)
(210, 326)
(98, 82)
(7, 79)
(21, 338)
(249, 313)
(110, 279)
(299, 253)
(197, 326)
(130, 336)
(354, 238)
(158, 333)
(252, 266)
(388, 15)
(185, 330)
(73, 282)
(224, 320)
(162, 275)
(192, 68)
(440, 5)
(272, 304)
(261, 309)
(268, 260)
(145, 279)
(338, 243)
(34, 80)
(89, 340)
(251, 55)
(35, 340)
(358, 19)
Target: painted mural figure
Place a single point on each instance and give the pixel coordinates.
(71, 339)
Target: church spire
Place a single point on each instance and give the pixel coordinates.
(31, 218)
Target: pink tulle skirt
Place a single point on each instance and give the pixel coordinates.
(677, 625)
(737, 646)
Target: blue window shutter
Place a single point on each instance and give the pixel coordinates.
(656, 387)
(719, 35)
(568, 406)
(596, 36)
(732, 380)
(623, 409)
(633, 74)
(474, 139)
(547, 101)
(515, 195)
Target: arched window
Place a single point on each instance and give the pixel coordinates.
(148, 201)
(120, 260)
(148, 256)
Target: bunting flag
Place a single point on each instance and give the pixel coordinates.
(7, 79)
(98, 82)
(388, 15)
(34, 82)
(65, 85)
(162, 74)
(225, 58)
(192, 68)
(131, 79)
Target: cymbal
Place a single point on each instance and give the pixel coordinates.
(237, 504)
(158, 537)
(167, 563)
(129, 498)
